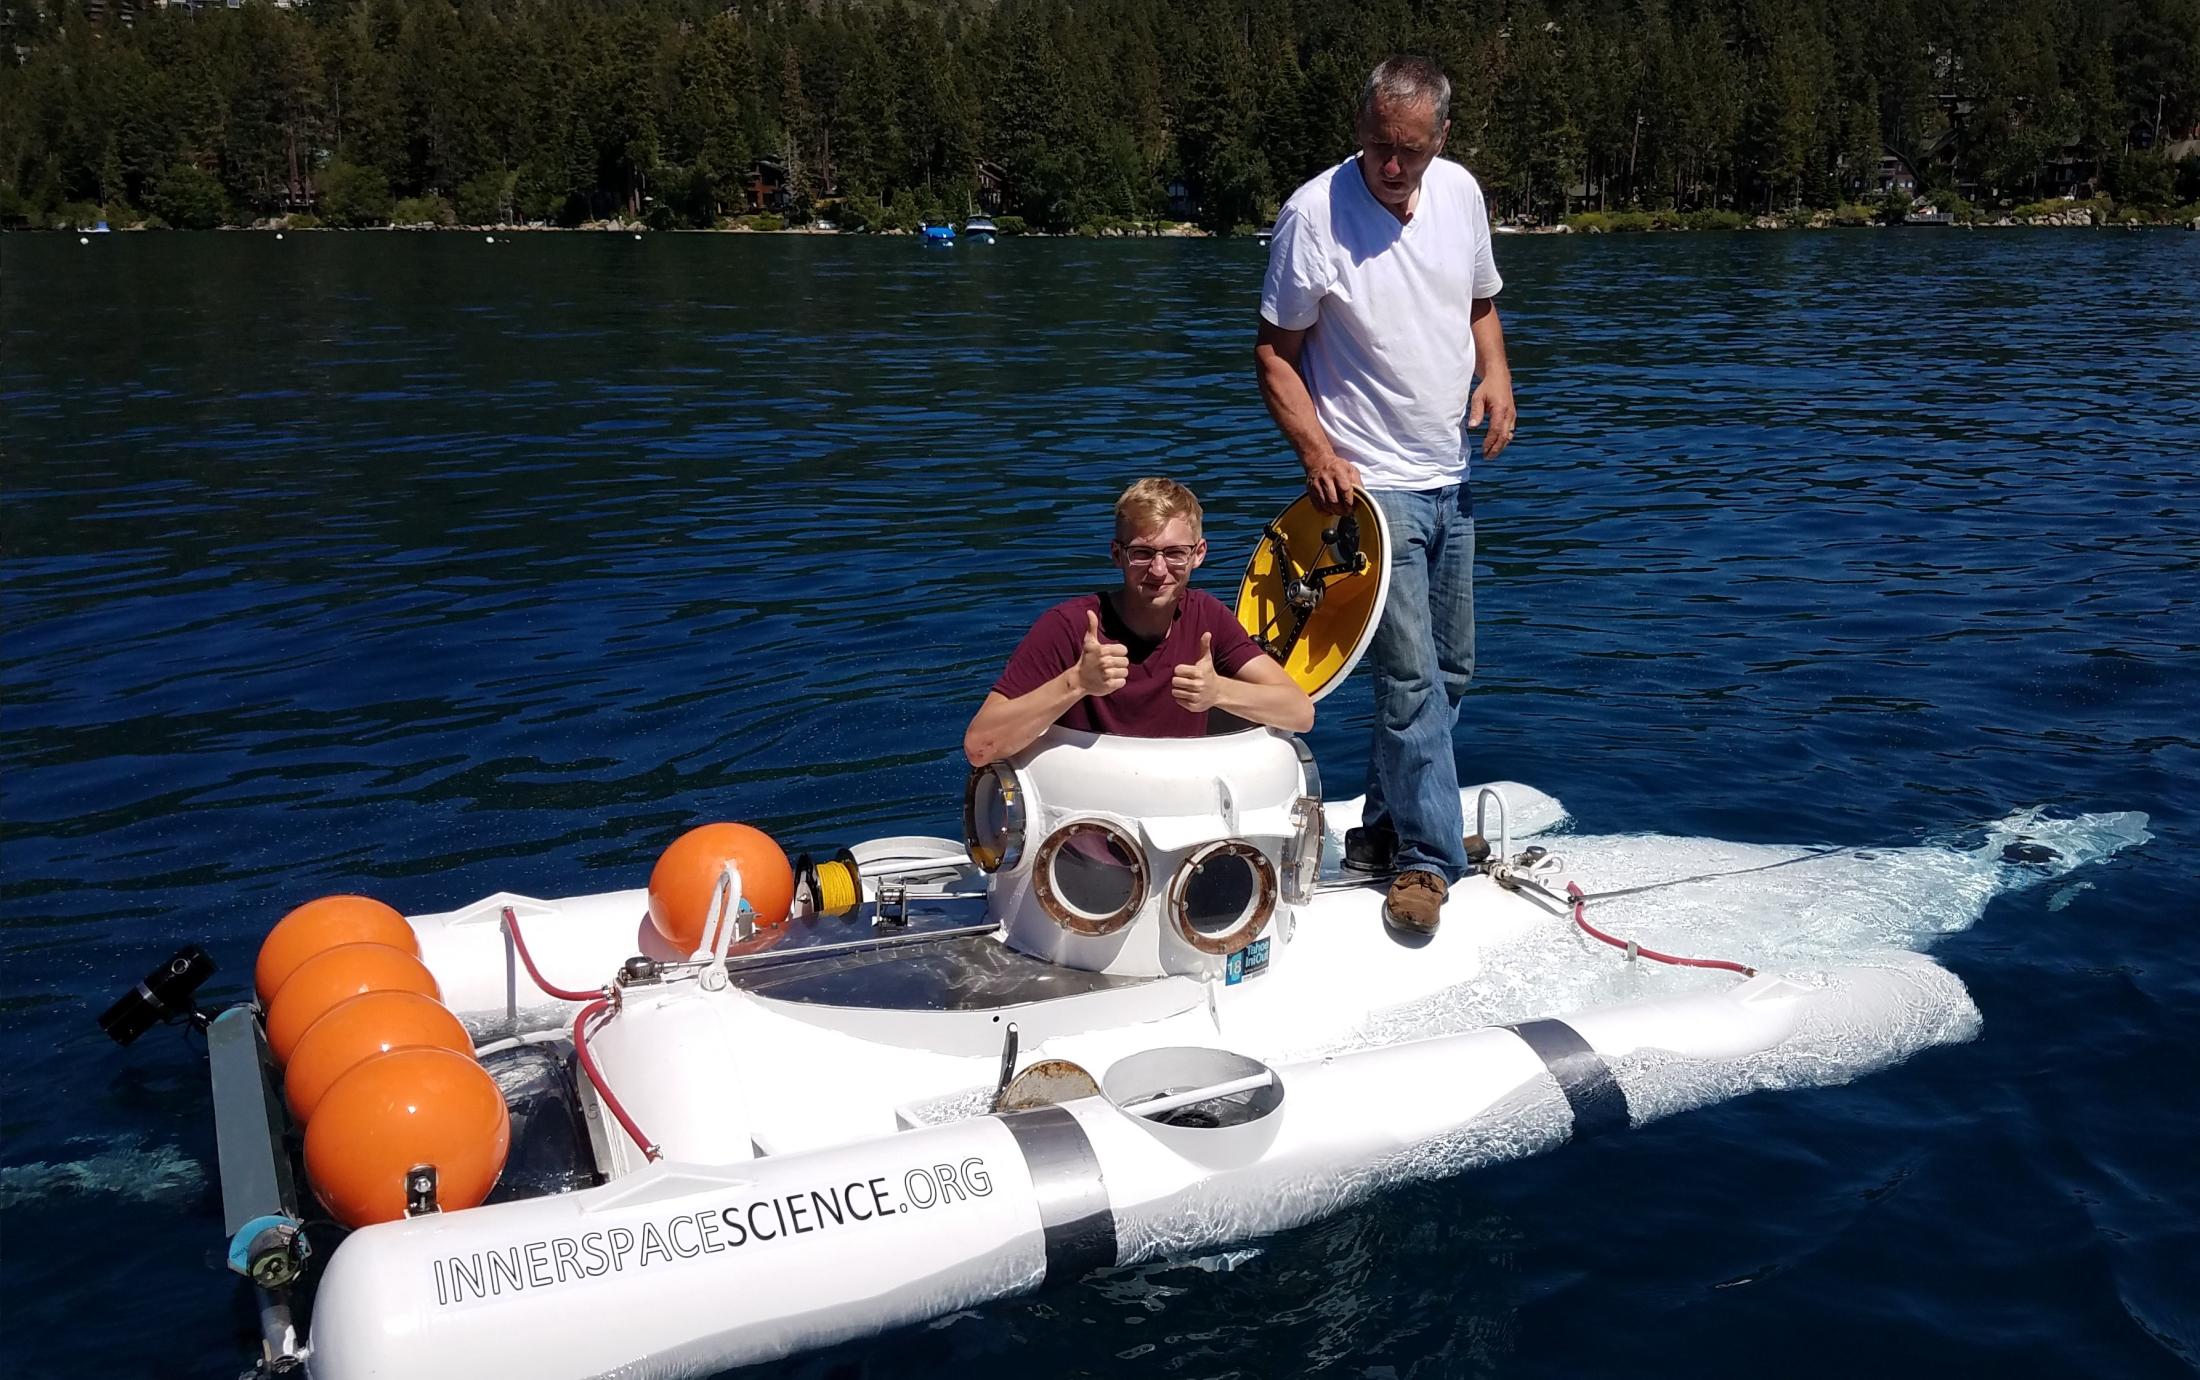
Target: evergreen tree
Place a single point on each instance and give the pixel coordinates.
(1090, 109)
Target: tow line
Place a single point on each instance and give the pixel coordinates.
(1635, 950)
(1712, 876)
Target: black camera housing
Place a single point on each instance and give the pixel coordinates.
(165, 995)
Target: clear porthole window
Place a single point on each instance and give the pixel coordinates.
(1091, 877)
(1221, 898)
(993, 817)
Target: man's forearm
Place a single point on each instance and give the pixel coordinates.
(1293, 408)
(1004, 726)
(1489, 341)
(1274, 706)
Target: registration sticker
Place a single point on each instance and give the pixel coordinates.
(1246, 962)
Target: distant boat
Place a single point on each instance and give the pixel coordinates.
(1927, 215)
(101, 229)
(942, 236)
(980, 229)
(1265, 233)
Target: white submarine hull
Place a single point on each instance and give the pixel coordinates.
(681, 1269)
(817, 1153)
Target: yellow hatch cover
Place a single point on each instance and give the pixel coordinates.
(1314, 590)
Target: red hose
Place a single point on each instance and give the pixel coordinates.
(527, 961)
(1582, 919)
(595, 1077)
(597, 1004)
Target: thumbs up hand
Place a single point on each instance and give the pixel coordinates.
(1195, 684)
(1103, 666)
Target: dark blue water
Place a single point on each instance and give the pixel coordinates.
(426, 567)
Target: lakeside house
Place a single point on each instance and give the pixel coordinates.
(992, 187)
(1896, 174)
(767, 185)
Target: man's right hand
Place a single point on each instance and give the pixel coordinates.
(1105, 665)
(1332, 482)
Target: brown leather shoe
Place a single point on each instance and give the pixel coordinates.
(1415, 902)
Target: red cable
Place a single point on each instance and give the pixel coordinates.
(511, 927)
(595, 1076)
(1581, 919)
(598, 1003)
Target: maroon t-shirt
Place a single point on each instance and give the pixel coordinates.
(1143, 707)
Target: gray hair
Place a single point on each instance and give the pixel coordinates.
(1407, 81)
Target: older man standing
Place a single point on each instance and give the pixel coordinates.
(1375, 318)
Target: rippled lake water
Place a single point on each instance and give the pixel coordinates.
(427, 567)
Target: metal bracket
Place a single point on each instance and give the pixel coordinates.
(1303, 855)
(248, 1122)
(728, 921)
(1008, 1066)
(420, 1200)
(1302, 594)
(893, 903)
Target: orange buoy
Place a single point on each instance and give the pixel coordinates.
(324, 924)
(337, 975)
(359, 1028)
(401, 1109)
(684, 884)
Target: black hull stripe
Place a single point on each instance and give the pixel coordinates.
(1073, 1199)
(1598, 1102)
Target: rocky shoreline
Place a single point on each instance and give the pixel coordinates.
(1774, 223)
(2076, 216)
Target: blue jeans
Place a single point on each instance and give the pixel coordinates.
(1423, 655)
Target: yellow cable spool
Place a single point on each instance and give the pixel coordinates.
(833, 887)
(838, 887)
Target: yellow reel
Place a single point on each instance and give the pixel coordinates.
(832, 887)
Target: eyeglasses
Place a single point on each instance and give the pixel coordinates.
(1174, 557)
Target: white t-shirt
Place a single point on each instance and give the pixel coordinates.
(1389, 355)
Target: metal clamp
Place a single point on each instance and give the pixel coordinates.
(270, 1251)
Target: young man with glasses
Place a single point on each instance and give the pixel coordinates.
(1146, 660)
(1376, 315)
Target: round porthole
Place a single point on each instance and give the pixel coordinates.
(993, 817)
(1222, 896)
(1091, 877)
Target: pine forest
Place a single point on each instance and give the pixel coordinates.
(1068, 114)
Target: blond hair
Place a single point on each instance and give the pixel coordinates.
(1153, 502)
